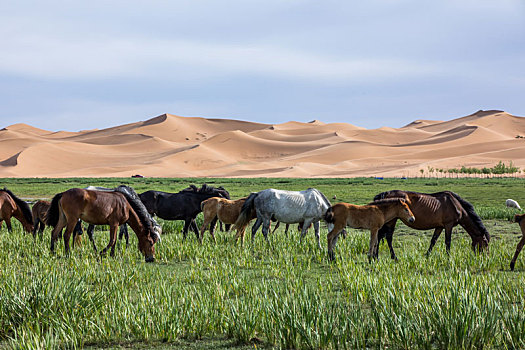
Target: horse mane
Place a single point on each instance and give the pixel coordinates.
(387, 201)
(137, 205)
(392, 193)
(207, 189)
(476, 220)
(322, 195)
(24, 207)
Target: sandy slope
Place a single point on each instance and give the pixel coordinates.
(174, 146)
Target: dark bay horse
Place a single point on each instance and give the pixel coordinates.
(438, 211)
(39, 211)
(372, 217)
(103, 208)
(184, 205)
(12, 206)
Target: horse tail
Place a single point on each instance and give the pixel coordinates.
(246, 211)
(329, 216)
(53, 213)
(476, 220)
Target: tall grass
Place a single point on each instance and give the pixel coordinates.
(284, 294)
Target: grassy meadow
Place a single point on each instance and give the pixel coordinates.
(285, 294)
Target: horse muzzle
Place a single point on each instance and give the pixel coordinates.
(150, 259)
(411, 219)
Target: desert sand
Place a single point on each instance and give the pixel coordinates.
(174, 146)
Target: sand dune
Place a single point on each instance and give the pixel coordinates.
(174, 146)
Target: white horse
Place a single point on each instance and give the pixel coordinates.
(290, 207)
(511, 203)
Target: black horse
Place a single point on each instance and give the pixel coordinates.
(184, 205)
(438, 211)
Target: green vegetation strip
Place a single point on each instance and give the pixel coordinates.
(284, 294)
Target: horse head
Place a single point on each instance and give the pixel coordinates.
(405, 212)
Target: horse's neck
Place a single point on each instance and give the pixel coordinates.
(390, 213)
(18, 214)
(134, 223)
(469, 226)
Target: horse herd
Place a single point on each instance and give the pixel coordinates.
(122, 205)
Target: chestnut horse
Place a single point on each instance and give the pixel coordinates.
(225, 210)
(103, 208)
(438, 211)
(519, 219)
(12, 206)
(372, 216)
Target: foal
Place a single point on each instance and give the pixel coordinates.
(39, 211)
(519, 219)
(372, 216)
(225, 210)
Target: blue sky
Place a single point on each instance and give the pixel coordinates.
(74, 65)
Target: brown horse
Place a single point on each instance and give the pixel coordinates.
(103, 208)
(519, 219)
(438, 211)
(372, 216)
(12, 206)
(225, 210)
(39, 211)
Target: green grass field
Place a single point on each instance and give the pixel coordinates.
(285, 294)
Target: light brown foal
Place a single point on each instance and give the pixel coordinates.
(372, 216)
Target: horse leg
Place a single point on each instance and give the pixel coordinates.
(256, 226)
(112, 240)
(41, 230)
(266, 228)
(35, 228)
(77, 231)
(193, 226)
(90, 233)
(518, 250)
(57, 230)
(227, 227)
(331, 239)
(212, 227)
(187, 223)
(316, 229)
(448, 238)
(8, 224)
(220, 226)
(389, 235)
(434, 239)
(123, 232)
(277, 226)
(67, 235)
(204, 225)
(373, 245)
(306, 224)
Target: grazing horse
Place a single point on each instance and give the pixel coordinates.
(103, 208)
(372, 217)
(511, 203)
(39, 211)
(12, 206)
(225, 210)
(519, 219)
(290, 207)
(123, 231)
(438, 211)
(184, 205)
